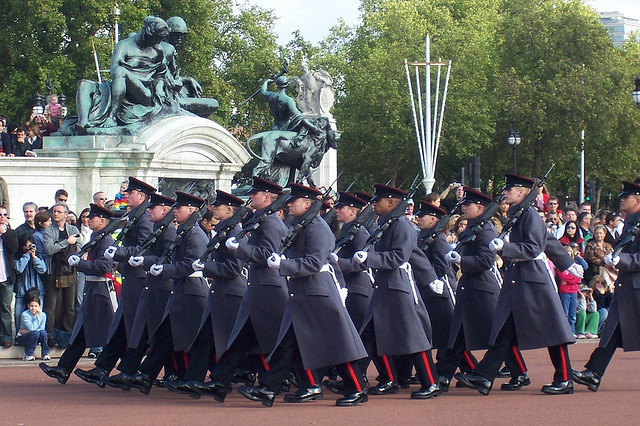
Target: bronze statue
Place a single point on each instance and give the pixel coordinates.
(295, 142)
(145, 87)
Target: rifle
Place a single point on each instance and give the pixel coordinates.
(255, 222)
(397, 213)
(440, 226)
(524, 206)
(221, 235)
(627, 238)
(166, 221)
(107, 230)
(133, 216)
(185, 228)
(283, 71)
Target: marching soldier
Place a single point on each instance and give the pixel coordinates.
(260, 313)
(133, 281)
(316, 330)
(96, 312)
(440, 302)
(225, 294)
(622, 327)
(529, 311)
(154, 298)
(397, 322)
(181, 320)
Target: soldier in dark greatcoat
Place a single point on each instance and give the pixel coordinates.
(260, 313)
(133, 281)
(357, 277)
(529, 311)
(316, 330)
(152, 304)
(181, 319)
(622, 327)
(225, 294)
(96, 311)
(397, 322)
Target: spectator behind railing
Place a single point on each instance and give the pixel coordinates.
(29, 268)
(603, 295)
(586, 315)
(568, 291)
(597, 248)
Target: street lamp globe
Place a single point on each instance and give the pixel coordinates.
(636, 92)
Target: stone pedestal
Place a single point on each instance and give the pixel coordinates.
(175, 153)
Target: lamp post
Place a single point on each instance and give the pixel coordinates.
(514, 140)
(636, 92)
(38, 107)
(116, 15)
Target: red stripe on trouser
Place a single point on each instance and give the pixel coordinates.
(186, 359)
(388, 367)
(353, 377)
(518, 359)
(312, 382)
(468, 359)
(564, 364)
(215, 359)
(426, 365)
(264, 363)
(173, 358)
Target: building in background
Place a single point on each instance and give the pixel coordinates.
(619, 26)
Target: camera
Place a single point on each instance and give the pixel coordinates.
(32, 246)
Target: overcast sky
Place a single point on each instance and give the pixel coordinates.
(314, 18)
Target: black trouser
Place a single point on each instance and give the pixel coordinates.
(423, 361)
(232, 357)
(70, 357)
(600, 357)
(132, 357)
(114, 349)
(287, 355)
(161, 351)
(202, 353)
(457, 356)
(505, 341)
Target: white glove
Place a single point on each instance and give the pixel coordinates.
(576, 270)
(437, 286)
(274, 261)
(496, 245)
(611, 261)
(453, 257)
(110, 252)
(232, 244)
(156, 270)
(197, 265)
(136, 261)
(360, 256)
(333, 256)
(73, 260)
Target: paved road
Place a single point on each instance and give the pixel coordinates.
(28, 397)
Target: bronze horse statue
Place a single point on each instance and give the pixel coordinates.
(283, 154)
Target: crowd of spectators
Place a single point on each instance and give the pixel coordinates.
(22, 139)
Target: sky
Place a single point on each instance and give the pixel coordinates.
(314, 18)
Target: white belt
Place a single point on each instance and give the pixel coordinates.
(538, 257)
(328, 268)
(95, 278)
(452, 296)
(196, 274)
(407, 268)
(541, 256)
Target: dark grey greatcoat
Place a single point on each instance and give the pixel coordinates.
(225, 293)
(189, 294)
(624, 311)
(156, 291)
(263, 303)
(401, 322)
(355, 275)
(478, 291)
(439, 306)
(528, 291)
(133, 278)
(96, 312)
(324, 330)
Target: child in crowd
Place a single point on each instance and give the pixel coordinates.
(31, 331)
(587, 315)
(29, 268)
(120, 201)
